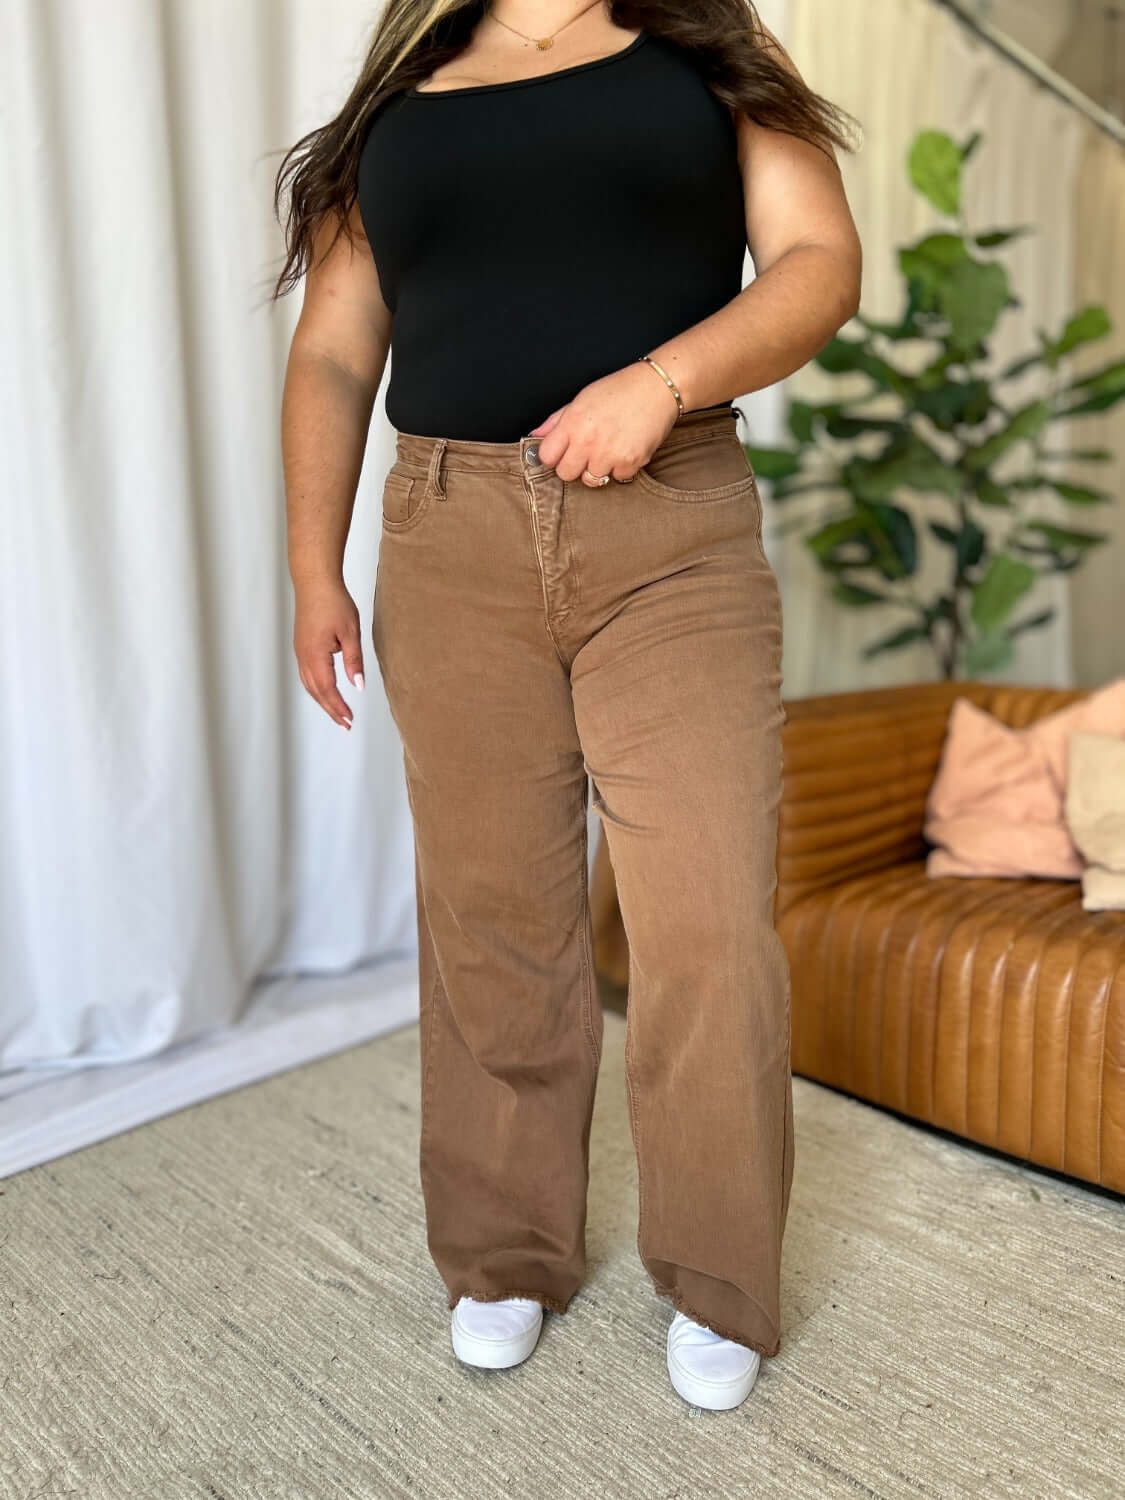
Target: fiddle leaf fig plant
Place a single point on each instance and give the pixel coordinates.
(931, 447)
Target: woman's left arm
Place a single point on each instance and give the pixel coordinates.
(808, 260)
(808, 264)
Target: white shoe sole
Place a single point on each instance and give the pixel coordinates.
(493, 1354)
(714, 1395)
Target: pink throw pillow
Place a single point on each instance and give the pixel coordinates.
(1102, 712)
(996, 806)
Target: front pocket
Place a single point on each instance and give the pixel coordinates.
(692, 473)
(405, 497)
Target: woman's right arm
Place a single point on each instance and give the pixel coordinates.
(336, 363)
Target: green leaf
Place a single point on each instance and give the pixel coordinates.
(1073, 494)
(927, 265)
(974, 296)
(903, 329)
(907, 462)
(1028, 362)
(1032, 622)
(1025, 423)
(898, 638)
(1080, 455)
(853, 427)
(847, 356)
(1084, 328)
(1093, 405)
(914, 316)
(801, 419)
(1078, 494)
(1109, 380)
(854, 594)
(823, 543)
(954, 402)
(993, 237)
(1028, 482)
(1062, 536)
(999, 591)
(968, 543)
(874, 535)
(935, 169)
(988, 492)
(970, 146)
(781, 489)
(888, 330)
(897, 527)
(772, 463)
(990, 652)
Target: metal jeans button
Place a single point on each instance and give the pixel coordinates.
(532, 454)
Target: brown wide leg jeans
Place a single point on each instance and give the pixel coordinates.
(530, 631)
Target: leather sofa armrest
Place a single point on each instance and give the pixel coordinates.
(857, 770)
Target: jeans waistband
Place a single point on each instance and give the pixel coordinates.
(513, 457)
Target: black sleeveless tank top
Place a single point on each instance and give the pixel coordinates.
(534, 235)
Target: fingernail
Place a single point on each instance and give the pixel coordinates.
(359, 681)
(347, 723)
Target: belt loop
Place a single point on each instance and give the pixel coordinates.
(433, 483)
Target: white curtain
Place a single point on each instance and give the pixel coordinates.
(179, 819)
(901, 66)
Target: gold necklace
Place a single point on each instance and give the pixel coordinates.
(543, 42)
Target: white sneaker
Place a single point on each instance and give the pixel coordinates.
(494, 1335)
(708, 1370)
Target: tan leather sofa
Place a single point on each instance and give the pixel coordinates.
(993, 1008)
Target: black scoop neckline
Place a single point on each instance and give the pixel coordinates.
(520, 83)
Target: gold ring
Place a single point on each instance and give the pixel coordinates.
(597, 478)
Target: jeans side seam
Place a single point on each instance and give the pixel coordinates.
(634, 1114)
(586, 958)
(427, 1069)
(786, 1105)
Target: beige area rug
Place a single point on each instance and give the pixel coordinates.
(236, 1302)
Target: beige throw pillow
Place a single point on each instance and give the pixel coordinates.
(1095, 815)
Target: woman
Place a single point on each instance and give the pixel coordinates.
(544, 207)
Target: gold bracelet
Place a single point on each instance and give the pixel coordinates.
(667, 379)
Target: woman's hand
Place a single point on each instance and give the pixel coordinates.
(613, 426)
(327, 621)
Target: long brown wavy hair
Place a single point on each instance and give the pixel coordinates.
(726, 40)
